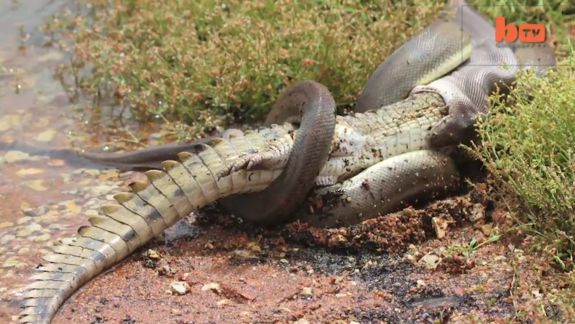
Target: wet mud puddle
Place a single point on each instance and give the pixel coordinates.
(41, 198)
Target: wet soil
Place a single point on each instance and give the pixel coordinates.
(43, 198)
(390, 269)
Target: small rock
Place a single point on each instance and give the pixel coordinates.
(13, 262)
(301, 321)
(23, 220)
(42, 238)
(92, 172)
(38, 211)
(37, 185)
(6, 224)
(6, 239)
(430, 261)
(29, 171)
(421, 283)
(223, 302)
(46, 136)
(212, 286)
(180, 287)
(245, 254)
(487, 229)
(254, 247)
(477, 213)
(440, 227)
(152, 254)
(341, 238)
(15, 156)
(29, 229)
(56, 163)
(307, 291)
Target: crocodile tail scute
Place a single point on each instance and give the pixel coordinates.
(134, 220)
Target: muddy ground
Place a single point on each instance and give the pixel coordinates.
(394, 269)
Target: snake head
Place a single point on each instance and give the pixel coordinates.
(456, 128)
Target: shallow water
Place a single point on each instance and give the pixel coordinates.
(41, 198)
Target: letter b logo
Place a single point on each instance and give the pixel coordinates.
(504, 32)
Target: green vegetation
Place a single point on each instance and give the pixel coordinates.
(529, 150)
(191, 60)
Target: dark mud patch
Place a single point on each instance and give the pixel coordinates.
(239, 274)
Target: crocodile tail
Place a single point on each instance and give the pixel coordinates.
(135, 218)
(153, 206)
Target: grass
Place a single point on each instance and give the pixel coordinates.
(192, 60)
(206, 62)
(529, 150)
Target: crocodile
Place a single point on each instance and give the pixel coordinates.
(389, 144)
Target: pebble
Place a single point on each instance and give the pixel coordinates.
(243, 253)
(23, 220)
(307, 291)
(46, 136)
(6, 239)
(152, 254)
(8, 121)
(440, 227)
(301, 321)
(37, 185)
(92, 172)
(30, 171)
(477, 213)
(430, 261)
(180, 287)
(72, 192)
(29, 229)
(254, 247)
(42, 238)
(223, 302)
(56, 163)
(13, 262)
(212, 286)
(15, 156)
(38, 211)
(6, 224)
(51, 220)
